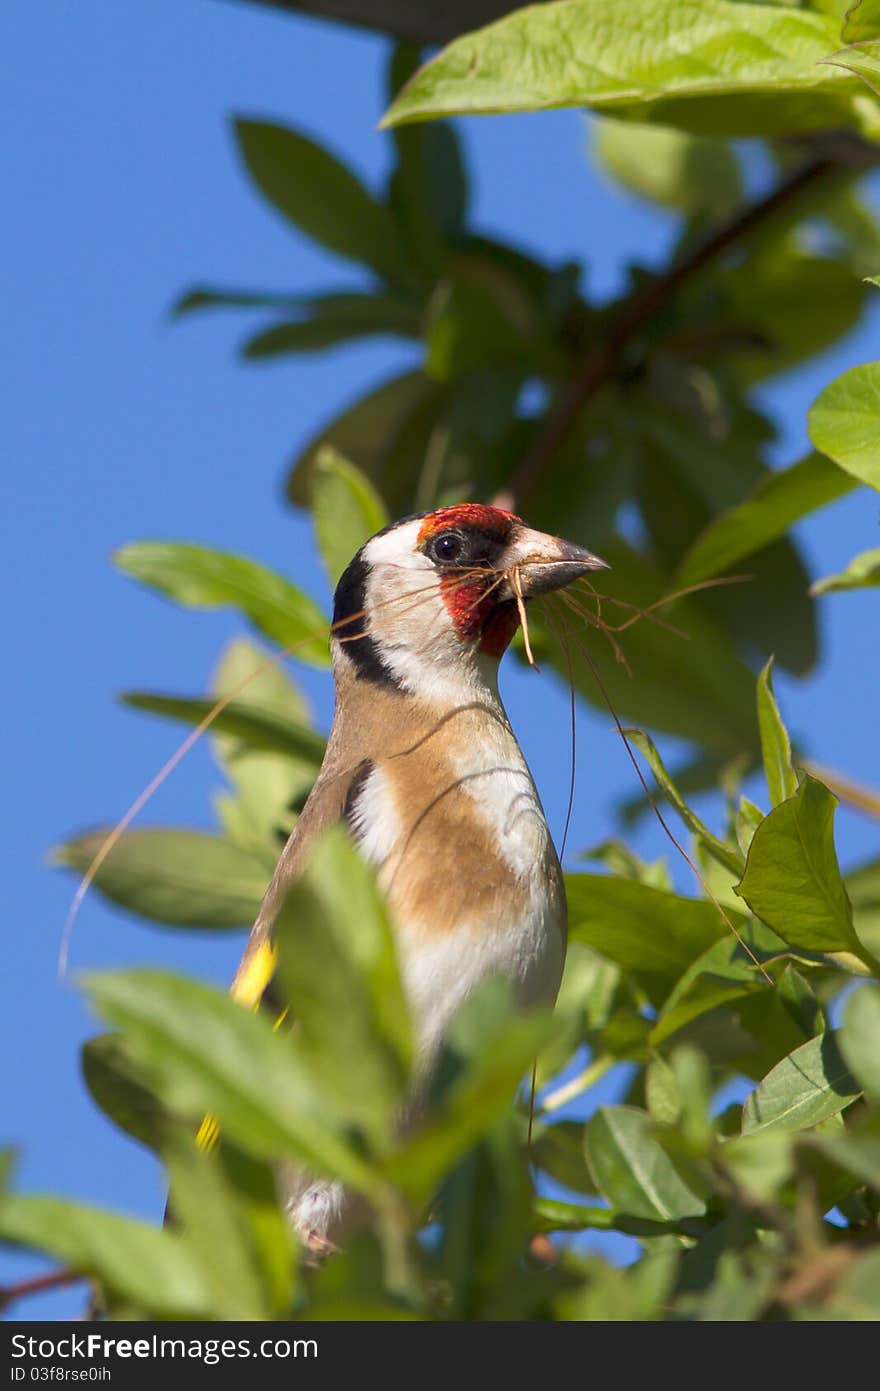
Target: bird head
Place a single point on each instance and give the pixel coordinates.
(429, 604)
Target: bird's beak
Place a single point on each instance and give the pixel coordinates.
(545, 563)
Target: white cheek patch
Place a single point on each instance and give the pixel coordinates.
(374, 821)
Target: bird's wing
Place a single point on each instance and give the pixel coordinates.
(324, 806)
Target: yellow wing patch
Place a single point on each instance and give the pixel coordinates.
(248, 990)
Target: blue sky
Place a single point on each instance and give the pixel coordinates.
(122, 188)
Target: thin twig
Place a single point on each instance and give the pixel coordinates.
(9, 1294)
(602, 361)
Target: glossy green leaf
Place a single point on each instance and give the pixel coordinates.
(863, 888)
(205, 1207)
(724, 853)
(860, 1037)
(337, 969)
(620, 859)
(214, 1228)
(121, 1090)
(855, 1150)
(328, 320)
(862, 61)
(863, 572)
(555, 1216)
(843, 422)
(862, 21)
(183, 878)
(748, 819)
(651, 934)
(725, 971)
(209, 1055)
(807, 1087)
(774, 295)
(153, 1270)
(322, 197)
(633, 1170)
(212, 297)
(856, 1295)
(671, 62)
(668, 166)
(428, 187)
(257, 726)
(775, 743)
(366, 432)
(696, 686)
(558, 1150)
(792, 879)
(797, 995)
(203, 578)
(778, 501)
(498, 1046)
(481, 316)
(270, 1234)
(346, 509)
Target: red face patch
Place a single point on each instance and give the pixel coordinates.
(467, 514)
(472, 599)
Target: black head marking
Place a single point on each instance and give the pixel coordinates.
(348, 611)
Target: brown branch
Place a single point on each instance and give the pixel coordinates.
(602, 361)
(38, 1285)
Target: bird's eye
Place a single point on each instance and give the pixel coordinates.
(447, 548)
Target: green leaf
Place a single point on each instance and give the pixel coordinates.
(322, 197)
(633, 1170)
(558, 1150)
(479, 316)
(209, 1055)
(695, 687)
(677, 63)
(862, 21)
(268, 785)
(775, 745)
(203, 578)
(748, 819)
(150, 1268)
(860, 1037)
(257, 726)
(807, 1087)
(620, 859)
(856, 1294)
(337, 969)
(792, 879)
(119, 1087)
(271, 1235)
(654, 936)
(775, 504)
(210, 297)
(724, 853)
(855, 1150)
(863, 572)
(367, 433)
(863, 888)
(500, 1049)
(205, 1206)
(722, 973)
(428, 186)
(328, 320)
(346, 508)
(183, 878)
(555, 1216)
(863, 61)
(686, 172)
(843, 422)
(774, 295)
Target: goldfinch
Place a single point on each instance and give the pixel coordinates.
(423, 767)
